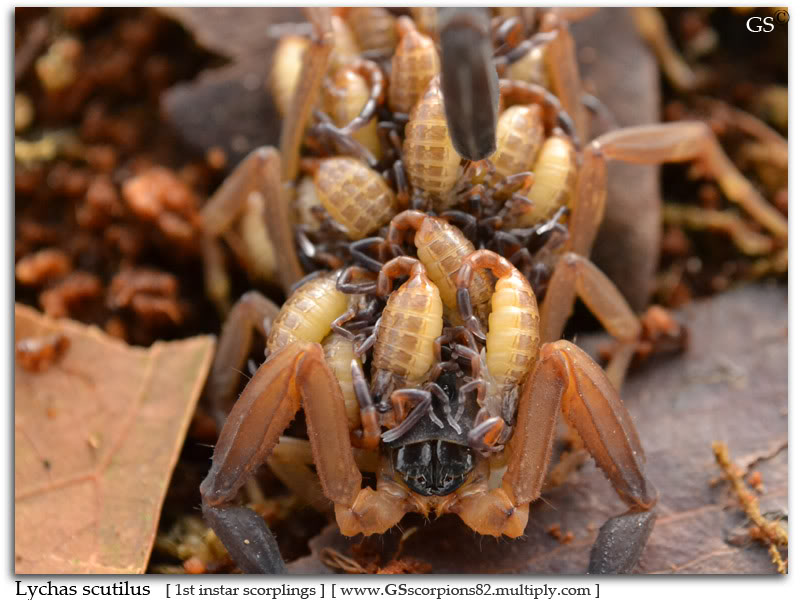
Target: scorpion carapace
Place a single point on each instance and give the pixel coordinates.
(435, 458)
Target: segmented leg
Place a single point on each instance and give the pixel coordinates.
(258, 173)
(566, 376)
(691, 141)
(574, 276)
(305, 96)
(291, 460)
(251, 313)
(295, 375)
(369, 434)
(279, 223)
(562, 69)
(590, 203)
(651, 26)
(219, 214)
(353, 280)
(228, 202)
(555, 113)
(373, 75)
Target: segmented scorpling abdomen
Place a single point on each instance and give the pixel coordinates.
(339, 354)
(414, 64)
(520, 134)
(512, 342)
(307, 315)
(374, 28)
(344, 94)
(442, 248)
(355, 196)
(555, 172)
(430, 159)
(411, 321)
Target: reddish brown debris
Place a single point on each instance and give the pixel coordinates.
(43, 266)
(661, 334)
(131, 282)
(770, 533)
(755, 482)
(39, 353)
(151, 294)
(159, 196)
(76, 17)
(115, 326)
(78, 287)
(102, 204)
(194, 566)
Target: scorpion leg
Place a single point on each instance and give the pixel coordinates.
(258, 173)
(567, 376)
(251, 313)
(308, 88)
(295, 374)
(563, 70)
(221, 211)
(504, 510)
(691, 141)
(291, 460)
(573, 276)
(279, 223)
(595, 410)
(228, 201)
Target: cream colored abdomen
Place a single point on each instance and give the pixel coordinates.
(307, 315)
(355, 196)
(429, 156)
(512, 342)
(339, 354)
(411, 321)
(554, 174)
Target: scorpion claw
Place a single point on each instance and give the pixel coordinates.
(620, 543)
(474, 326)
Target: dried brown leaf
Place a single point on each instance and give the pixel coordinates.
(96, 438)
(732, 385)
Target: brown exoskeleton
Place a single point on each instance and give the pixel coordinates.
(264, 172)
(572, 180)
(314, 372)
(259, 193)
(424, 463)
(441, 247)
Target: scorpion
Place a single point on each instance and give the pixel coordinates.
(487, 459)
(423, 465)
